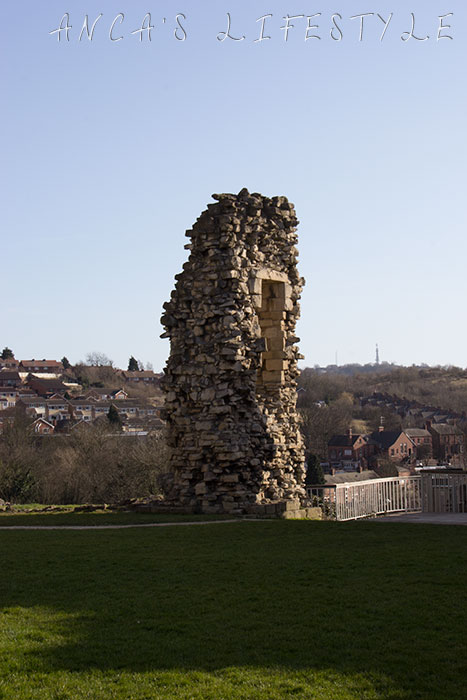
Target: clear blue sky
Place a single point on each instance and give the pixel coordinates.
(111, 149)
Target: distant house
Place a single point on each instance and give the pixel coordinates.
(25, 391)
(9, 363)
(133, 407)
(118, 395)
(448, 442)
(8, 396)
(81, 409)
(100, 408)
(9, 377)
(147, 410)
(42, 427)
(57, 409)
(46, 387)
(422, 440)
(142, 377)
(394, 444)
(97, 394)
(33, 404)
(349, 448)
(41, 366)
(102, 394)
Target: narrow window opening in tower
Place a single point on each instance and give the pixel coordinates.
(271, 317)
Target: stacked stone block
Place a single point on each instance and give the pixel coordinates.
(230, 381)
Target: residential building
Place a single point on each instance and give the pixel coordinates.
(81, 409)
(394, 444)
(57, 409)
(41, 366)
(36, 404)
(46, 387)
(118, 395)
(448, 442)
(142, 377)
(42, 427)
(9, 377)
(9, 363)
(101, 394)
(349, 449)
(422, 440)
(8, 395)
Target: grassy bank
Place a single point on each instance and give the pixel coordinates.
(263, 610)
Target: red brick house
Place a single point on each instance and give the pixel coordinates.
(42, 427)
(349, 448)
(394, 444)
(448, 442)
(422, 440)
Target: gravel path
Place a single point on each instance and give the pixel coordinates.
(425, 518)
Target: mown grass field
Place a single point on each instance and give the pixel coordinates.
(98, 518)
(248, 610)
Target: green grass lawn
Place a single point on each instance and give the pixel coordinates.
(248, 610)
(99, 518)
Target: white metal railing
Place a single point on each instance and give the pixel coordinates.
(362, 499)
(444, 492)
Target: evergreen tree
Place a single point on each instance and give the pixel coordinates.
(65, 362)
(314, 471)
(133, 364)
(7, 354)
(114, 417)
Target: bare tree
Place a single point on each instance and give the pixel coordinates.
(98, 359)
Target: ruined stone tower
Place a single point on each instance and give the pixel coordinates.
(230, 380)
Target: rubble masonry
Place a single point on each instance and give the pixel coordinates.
(230, 381)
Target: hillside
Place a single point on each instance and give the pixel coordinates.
(333, 399)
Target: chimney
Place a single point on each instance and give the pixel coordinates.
(381, 424)
(349, 433)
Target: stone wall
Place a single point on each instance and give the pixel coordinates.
(230, 380)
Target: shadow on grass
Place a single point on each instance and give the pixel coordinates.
(98, 518)
(357, 600)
